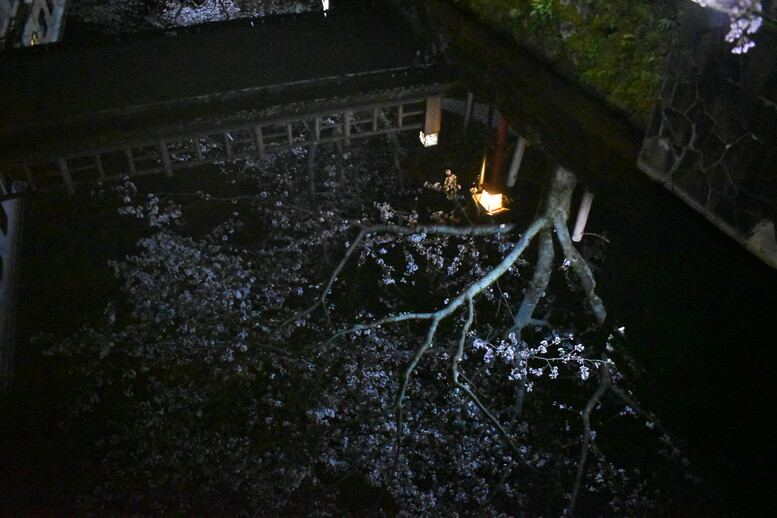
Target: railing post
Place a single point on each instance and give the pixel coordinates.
(66, 178)
(98, 162)
(130, 161)
(289, 135)
(501, 137)
(259, 140)
(468, 110)
(228, 143)
(347, 127)
(165, 158)
(312, 169)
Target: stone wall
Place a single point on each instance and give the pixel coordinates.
(614, 49)
(713, 136)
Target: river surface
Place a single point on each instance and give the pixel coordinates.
(700, 312)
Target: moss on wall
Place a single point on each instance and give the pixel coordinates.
(617, 47)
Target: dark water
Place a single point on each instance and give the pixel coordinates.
(700, 312)
(700, 316)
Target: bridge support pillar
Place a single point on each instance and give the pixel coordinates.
(10, 233)
(515, 165)
(582, 215)
(432, 122)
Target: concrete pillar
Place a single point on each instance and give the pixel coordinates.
(433, 115)
(515, 165)
(582, 216)
(431, 131)
(10, 233)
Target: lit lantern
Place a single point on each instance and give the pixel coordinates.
(429, 136)
(428, 140)
(490, 203)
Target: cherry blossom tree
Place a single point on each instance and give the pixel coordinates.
(366, 348)
(745, 18)
(132, 15)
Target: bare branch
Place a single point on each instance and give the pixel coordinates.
(470, 394)
(416, 358)
(462, 340)
(637, 408)
(448, 230)
(322, 298)
(604, 383)
(523, 316)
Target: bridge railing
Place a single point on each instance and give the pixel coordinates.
(217, 144)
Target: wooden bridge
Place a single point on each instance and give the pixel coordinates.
(71, 115)
(76, 114)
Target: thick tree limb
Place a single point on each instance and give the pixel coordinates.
(580, 267)
(523, 317)
(470, 292)
(538, 285)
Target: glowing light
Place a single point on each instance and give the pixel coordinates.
(325, 4)
(491, 203)
(428, 140)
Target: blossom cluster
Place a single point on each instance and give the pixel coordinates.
(744, 19)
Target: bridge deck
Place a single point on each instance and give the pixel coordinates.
(56, 100)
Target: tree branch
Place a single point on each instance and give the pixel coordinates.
(470, 394)
(581, 268)
(449, 230)
(538, 285)
(416, 358)
(586, 417)
(322, 298)
(523, 317)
